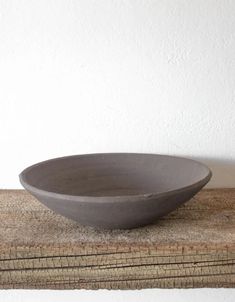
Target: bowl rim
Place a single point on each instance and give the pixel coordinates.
(121, 198)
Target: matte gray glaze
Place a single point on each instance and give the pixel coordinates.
(115, 190)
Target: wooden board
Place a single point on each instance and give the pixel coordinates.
(192, 247)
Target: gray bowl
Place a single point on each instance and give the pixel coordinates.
(115, 190)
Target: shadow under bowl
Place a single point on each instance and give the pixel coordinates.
(115, 190)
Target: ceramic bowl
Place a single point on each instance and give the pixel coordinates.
(115, 190)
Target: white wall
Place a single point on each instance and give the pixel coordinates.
(81, 76)
(148, 295)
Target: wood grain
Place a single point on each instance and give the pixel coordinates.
(192, 247)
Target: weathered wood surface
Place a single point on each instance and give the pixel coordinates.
(192, 247)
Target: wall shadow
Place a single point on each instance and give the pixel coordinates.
(223, 172)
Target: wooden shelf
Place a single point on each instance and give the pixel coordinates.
(192, 247)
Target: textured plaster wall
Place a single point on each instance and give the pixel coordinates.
(111, 75)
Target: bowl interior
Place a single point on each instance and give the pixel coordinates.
(114, 174)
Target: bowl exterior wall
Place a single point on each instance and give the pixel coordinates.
(118, 215)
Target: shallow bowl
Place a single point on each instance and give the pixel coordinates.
(115, 190)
